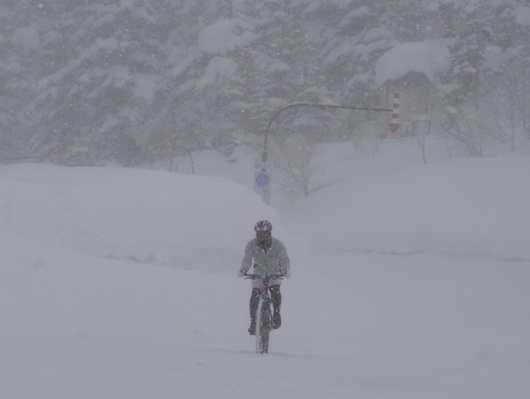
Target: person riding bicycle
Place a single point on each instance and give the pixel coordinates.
(270, 258)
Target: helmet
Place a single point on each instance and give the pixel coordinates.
(263, 225)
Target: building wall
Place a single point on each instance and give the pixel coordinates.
(416, 99)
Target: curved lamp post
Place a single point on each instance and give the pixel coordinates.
(262, 179)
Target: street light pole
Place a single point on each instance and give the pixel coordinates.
(262, 178)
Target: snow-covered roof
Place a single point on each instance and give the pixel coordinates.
(522, 15)
(430, 57)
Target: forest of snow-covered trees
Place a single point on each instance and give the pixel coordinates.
(129, 81)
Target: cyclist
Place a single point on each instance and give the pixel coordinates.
(270, 257)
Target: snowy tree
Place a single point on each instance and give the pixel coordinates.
(95, 103)
(473, 76)
(22, 62)
(470, 71)
(127, 82)
(348, 37)
(296, 166)
(514, 86)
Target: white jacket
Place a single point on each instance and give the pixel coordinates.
(272, 261)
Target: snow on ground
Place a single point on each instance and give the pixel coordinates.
(409, 281)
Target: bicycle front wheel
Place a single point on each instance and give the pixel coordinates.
(263, 322)
(265, 329)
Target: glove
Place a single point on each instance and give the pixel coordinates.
(287, 274)
(240, 273)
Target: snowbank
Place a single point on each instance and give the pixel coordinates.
(121, 283)
(143, 216)
(472, 207)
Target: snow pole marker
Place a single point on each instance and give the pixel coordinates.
(394, 122)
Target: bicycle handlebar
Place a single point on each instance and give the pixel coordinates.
(267, 278)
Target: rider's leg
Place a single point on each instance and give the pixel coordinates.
(276, 299)
(254, 300)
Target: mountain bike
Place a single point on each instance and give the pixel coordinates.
(263, 312)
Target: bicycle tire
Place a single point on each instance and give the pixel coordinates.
(259, 314)
(265, 327)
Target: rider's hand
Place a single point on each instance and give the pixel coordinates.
(240, 273)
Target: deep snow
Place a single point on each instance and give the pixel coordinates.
(409, 281)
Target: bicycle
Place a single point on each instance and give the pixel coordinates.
(263, 312)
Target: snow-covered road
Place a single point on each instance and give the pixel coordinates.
(122, 284)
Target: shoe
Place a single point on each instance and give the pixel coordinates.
(252, 329)
(276, 320)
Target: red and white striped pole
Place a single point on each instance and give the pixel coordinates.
(394, 122)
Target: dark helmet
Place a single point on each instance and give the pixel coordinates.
(263, 225)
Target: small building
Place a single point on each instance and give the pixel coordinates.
(413, 70)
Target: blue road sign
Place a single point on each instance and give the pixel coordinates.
(262, 179)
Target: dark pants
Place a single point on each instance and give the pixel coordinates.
(276, 299)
